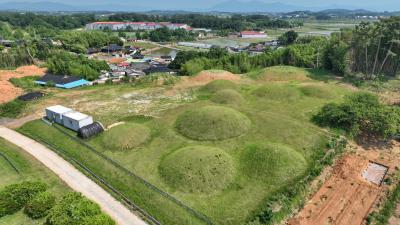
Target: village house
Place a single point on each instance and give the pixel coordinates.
(253, 34)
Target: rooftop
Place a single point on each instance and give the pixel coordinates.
(251, 33)
(76, 115)
(59, 109)
(58, 79)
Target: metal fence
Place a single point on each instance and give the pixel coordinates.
(9, 162)
(127, 201)
(130, 173)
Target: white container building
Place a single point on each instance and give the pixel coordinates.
(76, 120)
(55, 113)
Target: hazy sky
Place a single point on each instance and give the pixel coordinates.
(203, 4)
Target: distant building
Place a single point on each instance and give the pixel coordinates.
(135, 26)
(253, 34)
(60, 81)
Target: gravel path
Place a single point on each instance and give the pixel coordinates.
(74, 178)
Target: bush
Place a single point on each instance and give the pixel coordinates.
(12, 109)
(76, 209)
(14, 197)
(40, 205)
(361, 114)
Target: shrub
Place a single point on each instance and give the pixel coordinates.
(361, 114)
(76, 209)
(12, 109)
(40, 205)
(14, 197)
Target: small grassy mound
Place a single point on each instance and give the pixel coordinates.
(278, 92)
(125, 137)
(218, 85)
(282, 73)
(212, 123)
(198, 169)
(273, 163)
(227, 96)
(318, 91)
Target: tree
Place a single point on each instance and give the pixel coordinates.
(40, 205)
(288, 37)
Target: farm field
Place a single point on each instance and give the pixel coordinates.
(220, 143)
(29, 170)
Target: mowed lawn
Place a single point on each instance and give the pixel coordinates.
(30, 170)
(222, 153)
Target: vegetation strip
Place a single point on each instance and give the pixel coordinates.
(151, 186)
(10, 162)
(97, 177)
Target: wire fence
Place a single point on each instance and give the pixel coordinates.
(127, 201)
(9, 162)
(130, 173)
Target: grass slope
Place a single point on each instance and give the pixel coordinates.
(30, 170)
(202, 169)
(227, 97)
(212, 123)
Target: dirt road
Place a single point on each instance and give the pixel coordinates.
(74, 178)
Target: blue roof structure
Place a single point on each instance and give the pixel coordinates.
(66, 82)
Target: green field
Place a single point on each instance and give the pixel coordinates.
(30, 170)
(222, 149)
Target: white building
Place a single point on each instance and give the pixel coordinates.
(253, 34)
(55, 113)
(76, 120)
(68, 117)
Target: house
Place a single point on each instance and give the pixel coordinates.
(55, 113)
(76, 120)
(158, 69)
(60, 81)
(253, 34)
(111, 48)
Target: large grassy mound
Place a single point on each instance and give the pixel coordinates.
(198, 169)
(273, 163)
(278, 92)
(282, 73)
(218, 85)
(125, 137)
(212, 123)
(227, 96)
(318, 91)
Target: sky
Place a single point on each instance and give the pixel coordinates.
(392, 5)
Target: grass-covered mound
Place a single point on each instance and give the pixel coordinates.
(227, 96)
(212, 123)
(318, 91)
(278, 92)
(125, 137)
(198, 169)
(273, 163)
(218, 85)
(282, 73)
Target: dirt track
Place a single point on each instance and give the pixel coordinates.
(74, 178)
(346, 197)
(8, 91)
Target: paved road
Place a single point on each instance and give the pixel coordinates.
(73, 177)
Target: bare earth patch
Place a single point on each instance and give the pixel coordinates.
(8, 91)
(347, 197)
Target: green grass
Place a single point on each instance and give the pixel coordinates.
(227, 97)
(124, 137)
(212, 123)
(180, 121)
(202, 169)
(218, 85)
(26, 83)
(30, 170)
(317, 91)
(278, 92)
